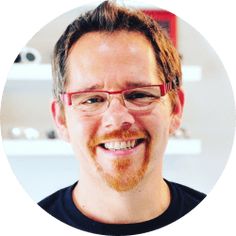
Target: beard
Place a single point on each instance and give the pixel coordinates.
(121, 173)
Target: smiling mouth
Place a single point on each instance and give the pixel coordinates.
(121, 145)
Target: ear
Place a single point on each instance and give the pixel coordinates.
(177, 112)
(59, 119)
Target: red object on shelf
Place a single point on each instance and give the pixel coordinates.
(167, 20)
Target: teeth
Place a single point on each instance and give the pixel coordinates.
(109, 145)
(120, 145)
(132, 143)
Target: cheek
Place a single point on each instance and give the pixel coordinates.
(80, 132)
(155, 123)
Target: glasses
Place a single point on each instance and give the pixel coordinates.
(138, 99)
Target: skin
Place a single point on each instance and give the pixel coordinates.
(124, 186)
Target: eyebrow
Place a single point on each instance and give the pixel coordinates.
(93, 87)
(128, 85)
(136, 84)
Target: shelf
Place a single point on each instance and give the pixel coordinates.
(58, 147)
(35, 72)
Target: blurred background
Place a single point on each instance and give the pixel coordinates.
(196, 154)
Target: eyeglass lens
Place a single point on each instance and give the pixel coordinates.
(134, 99)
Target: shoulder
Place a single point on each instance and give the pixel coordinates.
(55, 201)
(190, 192)
(187, 197)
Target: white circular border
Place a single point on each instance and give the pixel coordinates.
(20, 20)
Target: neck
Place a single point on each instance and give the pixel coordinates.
(99, 202)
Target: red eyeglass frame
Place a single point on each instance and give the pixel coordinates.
(165, 88)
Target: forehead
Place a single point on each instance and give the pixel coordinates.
(111, 59)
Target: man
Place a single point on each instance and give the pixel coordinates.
(118, 98)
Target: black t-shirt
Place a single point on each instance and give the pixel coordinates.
(61, 206)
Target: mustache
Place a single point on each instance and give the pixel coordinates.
(118, 134)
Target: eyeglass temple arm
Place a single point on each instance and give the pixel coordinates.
(175, 83)
(66, 98)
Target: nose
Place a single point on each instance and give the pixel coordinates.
(117, 116)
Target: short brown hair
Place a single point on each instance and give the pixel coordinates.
(109, 17)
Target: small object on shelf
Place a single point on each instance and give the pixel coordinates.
(31, 133)
(24, 133)
(181, 133)
(30, 55)
(51, 134)
(18, 59)
(16, 133)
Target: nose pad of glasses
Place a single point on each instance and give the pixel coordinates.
(118, 115)
(115, 100)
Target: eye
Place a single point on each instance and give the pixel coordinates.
(136, 95)
(93, 100)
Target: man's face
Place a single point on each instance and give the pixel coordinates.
(119, 147)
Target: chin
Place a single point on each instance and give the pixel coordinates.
(122, 170)
(121, 183)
